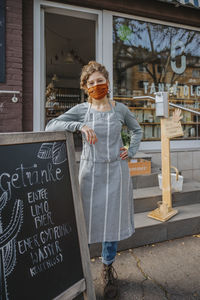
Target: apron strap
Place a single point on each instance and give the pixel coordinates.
(89, 107)
(112, 108)
(87, 113)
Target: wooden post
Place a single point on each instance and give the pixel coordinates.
(165, 160)
(164, 210)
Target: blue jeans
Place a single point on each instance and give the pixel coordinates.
(109, 251)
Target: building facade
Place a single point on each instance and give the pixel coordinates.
(147, 46)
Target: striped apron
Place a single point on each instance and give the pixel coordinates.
(105, 183)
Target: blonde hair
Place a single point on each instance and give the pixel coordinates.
(88, 70)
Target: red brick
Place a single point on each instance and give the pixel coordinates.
(14, 59)
(13, 65)
(14, 53)
(14, 84)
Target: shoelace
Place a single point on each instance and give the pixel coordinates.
(110, 275)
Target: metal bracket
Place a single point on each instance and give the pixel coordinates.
(14, 98)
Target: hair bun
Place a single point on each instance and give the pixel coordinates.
(92, 62)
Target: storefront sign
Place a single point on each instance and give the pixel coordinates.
(2, 41)
(175, 45)
(185, 90)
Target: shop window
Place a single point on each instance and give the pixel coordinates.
(155, 57)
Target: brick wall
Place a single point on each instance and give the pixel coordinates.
(27, 65)
(11, 113)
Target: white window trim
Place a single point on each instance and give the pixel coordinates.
(108, 60)
(39, 52)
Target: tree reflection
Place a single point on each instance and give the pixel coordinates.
(152, 45)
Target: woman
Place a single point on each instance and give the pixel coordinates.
(105, 183)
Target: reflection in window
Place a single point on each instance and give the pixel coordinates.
(196, 73)
(142, 68)
(150, 57)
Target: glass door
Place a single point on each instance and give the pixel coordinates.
(66, 39)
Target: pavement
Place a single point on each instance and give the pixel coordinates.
(167, 270)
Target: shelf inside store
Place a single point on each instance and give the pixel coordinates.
(58, 108)
(143, 108)
(151, 139)
(177, 138)
(158, 123)
(149, 123)
(182, 100)
(190, 123)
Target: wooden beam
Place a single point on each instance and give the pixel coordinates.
(31, 137)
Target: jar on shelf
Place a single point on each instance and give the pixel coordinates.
(151, 118)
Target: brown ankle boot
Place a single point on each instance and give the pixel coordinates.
(110, 282)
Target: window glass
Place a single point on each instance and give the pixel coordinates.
(148, 58)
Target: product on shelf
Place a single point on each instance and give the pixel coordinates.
(145, 114)
(59, 100)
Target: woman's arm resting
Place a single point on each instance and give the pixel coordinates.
(70, 121)
(135, 131)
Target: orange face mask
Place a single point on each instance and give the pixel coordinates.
(98, 91)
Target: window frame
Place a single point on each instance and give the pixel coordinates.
(39, 59)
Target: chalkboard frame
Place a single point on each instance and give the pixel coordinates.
(85, 285)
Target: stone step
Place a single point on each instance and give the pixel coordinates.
(146, 199)
(144, 181)
(150, 231)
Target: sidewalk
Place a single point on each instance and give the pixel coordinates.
(168, 270)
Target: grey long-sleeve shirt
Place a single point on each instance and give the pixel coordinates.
(73, 120)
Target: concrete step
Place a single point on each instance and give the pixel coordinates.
(148, 180)
(146, 199)
(150, 231)
(144, 181)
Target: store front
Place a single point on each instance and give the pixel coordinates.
(143, 56)
(147, 46)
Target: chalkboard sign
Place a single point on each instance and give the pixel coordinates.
(40, 249)
(2, 41)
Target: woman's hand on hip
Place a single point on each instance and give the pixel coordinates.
(124, 153)
(90, 134)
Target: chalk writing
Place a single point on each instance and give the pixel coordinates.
(43, 247)
(40, 211)
(43, 237)
(38, 235)
(29, 176)
(7, 242)
(46, 265)
(56, 151)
